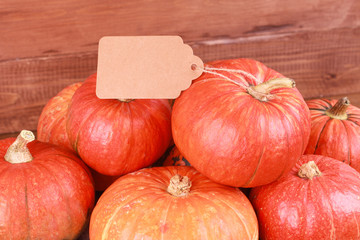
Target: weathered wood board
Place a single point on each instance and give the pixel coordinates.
(45, 46)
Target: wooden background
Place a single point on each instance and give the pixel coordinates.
(47, 45)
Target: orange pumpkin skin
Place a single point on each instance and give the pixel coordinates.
(115, 137)
(332, 137)
(50, 197)
(234, 138)
(52, 128)
(138, 206)
(326, 206)
(52, 121)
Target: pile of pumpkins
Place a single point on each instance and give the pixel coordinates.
(238, 155)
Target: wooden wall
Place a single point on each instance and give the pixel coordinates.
(46, 45)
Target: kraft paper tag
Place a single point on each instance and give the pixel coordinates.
(135, 67)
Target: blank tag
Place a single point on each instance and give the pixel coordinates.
(133, 67)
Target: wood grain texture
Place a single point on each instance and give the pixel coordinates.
(45, 28)
(325, 63)
(27, 84)
(47, 45)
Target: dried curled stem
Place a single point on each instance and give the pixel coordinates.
(309, 170)
(338, 111)
(263, 90)
(179, 186)
(18, 151)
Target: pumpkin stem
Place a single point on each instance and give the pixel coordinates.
(338, 111)
(309, 170)
(125, 100)
(262, 90)
(18, 152)
(179, 186)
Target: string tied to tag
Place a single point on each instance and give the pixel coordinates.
(213, 71)
(260, 91)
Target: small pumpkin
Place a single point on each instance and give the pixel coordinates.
(335, 130)
(52, 121)
(241, 123)
(174, 202)
(45, 191)
(318, 199)
(115, 137)
(52, 128)
(173, 157)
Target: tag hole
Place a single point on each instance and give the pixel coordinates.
(193, 66)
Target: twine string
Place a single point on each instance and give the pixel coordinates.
(213, 70)
(226, 78)
(260, 91)
(246, 74)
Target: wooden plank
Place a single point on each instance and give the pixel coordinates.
(8, 135)
(14, 134)
(46, 28)
(354, 98)
(26, 86)
(323, 63)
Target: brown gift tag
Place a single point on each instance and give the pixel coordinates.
(133, 67)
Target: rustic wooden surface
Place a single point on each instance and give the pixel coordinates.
(45, 46)
(41, 28)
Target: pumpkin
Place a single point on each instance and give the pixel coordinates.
(318, 199)
(115, 137)
(52, 121)
(243, 127)
(175, 202)
(175, 158)
(171, 157)
(52, 128)
(45, 191)
(335, 130)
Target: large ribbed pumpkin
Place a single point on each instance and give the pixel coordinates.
(318, 199)
(335, 130)
(244, 127)
(175, 202)
(46, 192)
(115, 137)
(52, 121)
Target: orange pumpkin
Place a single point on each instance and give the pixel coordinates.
(175, 202)
(46, 192)
(175, 158)
(52, 121)
(243, 127)
(335, 130)
(52, 128)
(318, 199)
(115, 137)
